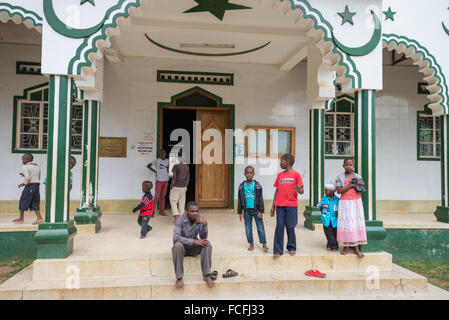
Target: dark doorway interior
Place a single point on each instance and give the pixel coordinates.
(179, 119)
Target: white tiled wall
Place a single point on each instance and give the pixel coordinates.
(262, 94)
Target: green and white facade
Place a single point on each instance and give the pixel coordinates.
(352, 77)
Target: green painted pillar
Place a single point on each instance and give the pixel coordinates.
(442, 212)
(316, 167)
(55, 236)
(89, 212)
(365, 135)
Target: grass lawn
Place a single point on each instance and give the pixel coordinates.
(9, 268)
(436, 273)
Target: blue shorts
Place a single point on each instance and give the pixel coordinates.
(31, 198)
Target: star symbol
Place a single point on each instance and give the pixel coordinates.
(92, 2)
(216, 7)
(347, 16)
(389, 14)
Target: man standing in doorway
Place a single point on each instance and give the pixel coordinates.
(160, 167)
(178, 188)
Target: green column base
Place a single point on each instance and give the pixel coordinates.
(55, 240)
(376, 235)
(442, 214)
(89, 215)
(313, 216)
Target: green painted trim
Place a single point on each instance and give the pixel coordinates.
(89, 45)
(55, 240)
(20, 63)
(418, 244)
(18, 244)
(220, 105)
(204, 54)
(442, 211)
(65, 30)
(333, 106)
(322, 24)
(367, 48)
(442, 214)
(312, 216)
(433, 64)
(418, 156)
(376, 235)
(22, 12)
(339, 157)
(26, 96)
(189, 73)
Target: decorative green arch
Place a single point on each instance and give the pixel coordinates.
(389, 39)
(220, 105)
(22, 12)
(121, 9)
(89, 45)
(321, 23)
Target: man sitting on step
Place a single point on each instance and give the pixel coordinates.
(186, 243)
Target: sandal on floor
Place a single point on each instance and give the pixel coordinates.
(230, 273)
(214, 275)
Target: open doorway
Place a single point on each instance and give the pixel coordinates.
(210, 183)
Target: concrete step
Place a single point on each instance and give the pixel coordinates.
(162, 264)
(257, 285)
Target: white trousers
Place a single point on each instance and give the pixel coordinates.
(178, 200)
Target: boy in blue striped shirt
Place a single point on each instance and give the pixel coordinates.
(329, 216)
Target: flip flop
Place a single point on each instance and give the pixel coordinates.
(319, 274)
(230, 273)
(315, 274)
(214, 275)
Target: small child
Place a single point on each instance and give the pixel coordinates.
(250, 202)
(30, 198)
(146, 209)
(329, 215)
(72, 164)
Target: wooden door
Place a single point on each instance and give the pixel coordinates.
(213, 179)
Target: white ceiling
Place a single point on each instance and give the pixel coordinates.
(165, 22)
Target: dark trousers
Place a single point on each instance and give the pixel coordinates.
(331, 236)
(143, 222)
(249, 215)
(180, 250)
(286, 218)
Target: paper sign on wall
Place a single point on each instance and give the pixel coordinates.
(145, 148)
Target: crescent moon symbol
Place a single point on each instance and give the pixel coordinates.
(445, 29)
(61, 28)
(367, 48)
(205, 54)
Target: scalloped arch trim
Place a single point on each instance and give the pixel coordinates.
(428, 65)
(29, 18)
(89, 45)
(320, 23)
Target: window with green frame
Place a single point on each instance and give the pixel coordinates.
(428, 135)
(339, 129)
(30, 129)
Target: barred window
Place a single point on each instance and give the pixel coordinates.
(339, 128)
(31, 121)
(429, 139)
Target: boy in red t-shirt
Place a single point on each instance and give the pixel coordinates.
(288, 184)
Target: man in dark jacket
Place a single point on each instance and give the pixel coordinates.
(250, 205)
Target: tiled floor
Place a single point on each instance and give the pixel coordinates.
(120, 233)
